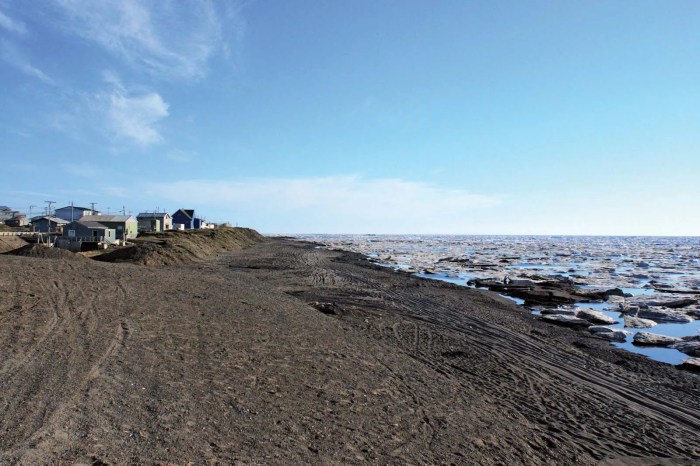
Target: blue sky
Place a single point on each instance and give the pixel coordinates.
(473, 117)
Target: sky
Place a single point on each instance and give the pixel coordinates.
(392, 116)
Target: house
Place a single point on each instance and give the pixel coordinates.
(154, 221)
(48, 224)
(126, 226)
(89, 232)
(148, 224)
(186, 217)
(19, 220)
(6, 213)
(71, 213)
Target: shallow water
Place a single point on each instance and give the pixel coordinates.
(668, 355)
(634, 264)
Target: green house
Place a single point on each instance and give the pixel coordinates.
(126, 226)
(86, 231)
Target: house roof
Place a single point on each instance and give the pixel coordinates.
(153, 215)
(53, 219)
(188, 212)
(94, 225)
(107, 218)
(75, 207)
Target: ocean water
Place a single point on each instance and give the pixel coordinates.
(640, 266)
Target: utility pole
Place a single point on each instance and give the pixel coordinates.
(49, 206)
(30, 211)
(123, 210)
(71, 212)
(92, 207)
(48, 213)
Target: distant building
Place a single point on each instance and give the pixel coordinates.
(126, 226)
(48, 224)
(89, 231)
(72, 213)
(19, 220)
(6, 213)
(154, 221)
(186, 217)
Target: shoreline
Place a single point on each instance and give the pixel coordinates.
(561, 279)
(282, 352)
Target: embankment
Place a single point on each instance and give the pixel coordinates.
(176, 247)
(10, 243)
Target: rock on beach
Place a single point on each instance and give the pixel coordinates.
(562, 311)
(654, 339)
(636, 322)
(692, 364)
(691, 347)
(661, 314)
(566, 320)
(609, 333)
(674, 302)
(596, 317)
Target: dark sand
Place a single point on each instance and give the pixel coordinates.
(224, 361)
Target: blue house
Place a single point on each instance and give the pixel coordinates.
(184, 217)
(72, 213)
(48, 224)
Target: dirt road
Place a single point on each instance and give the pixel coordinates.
(227, 361)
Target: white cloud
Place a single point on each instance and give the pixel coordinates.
(10, 54)
(126, 116)
(12, 25)
(134, 118)
(172, 38)
(331, 204)
(112, 78)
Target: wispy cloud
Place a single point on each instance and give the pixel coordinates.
(170, 38)
(337, 203)
(134, 118)
(12, 25)
(127, 116)
(13, 56)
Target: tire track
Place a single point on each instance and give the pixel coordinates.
(46, 381)
(516, 343)
(544, 363)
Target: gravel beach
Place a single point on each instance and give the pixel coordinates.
(285, 353)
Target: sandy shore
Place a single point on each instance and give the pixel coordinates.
(226, 361)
